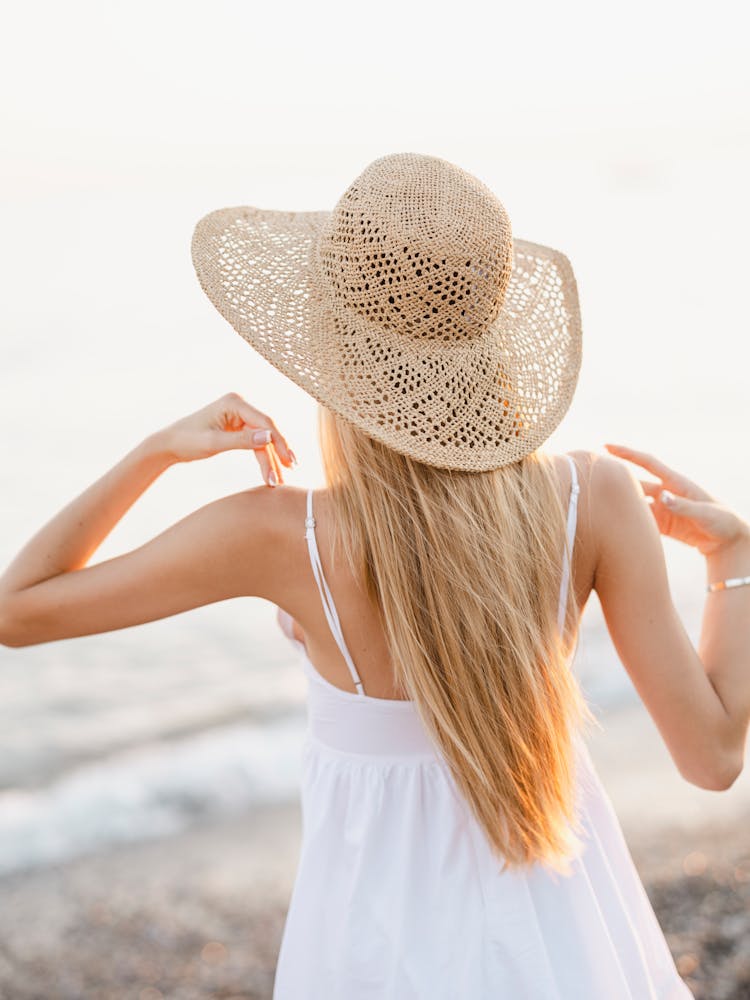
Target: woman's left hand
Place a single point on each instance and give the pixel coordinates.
(230, 422)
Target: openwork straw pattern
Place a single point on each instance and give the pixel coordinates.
(409, 310)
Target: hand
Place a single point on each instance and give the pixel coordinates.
(692, 516)
(228, 423)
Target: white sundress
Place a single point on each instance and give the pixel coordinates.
(398, 895)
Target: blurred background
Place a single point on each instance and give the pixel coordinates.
(148, 818)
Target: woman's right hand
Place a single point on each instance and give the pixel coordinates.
(227, 423)
(692, 515)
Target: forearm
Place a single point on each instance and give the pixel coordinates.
(724, 646)
(68, 541)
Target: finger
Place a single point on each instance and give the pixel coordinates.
(669, 477)
(644, 459)
(283, 452)
(257, 418)
(661, 515)
(276, 463)
(242, 437)
(256, 439)
(264, 462)
(651, 489)
(698, 510)
(269, 463)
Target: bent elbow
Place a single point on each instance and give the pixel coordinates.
(720, 778)
(730, 774)
(10, 634)
(13, 644)
(9, 640)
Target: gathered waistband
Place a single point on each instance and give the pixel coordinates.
(354, 723)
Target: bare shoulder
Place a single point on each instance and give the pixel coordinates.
(261, 530)
(625, 536)
(259, 512)
(611, 493)
(612, 478)
(597, 475)
(277, 506)
(609, 498)
(618, 510)
(603, 473)
(278, 514)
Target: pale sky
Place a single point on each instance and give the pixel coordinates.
(89, 75)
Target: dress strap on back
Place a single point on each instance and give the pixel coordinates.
(570, 537)
(325, 594)
(330, 608)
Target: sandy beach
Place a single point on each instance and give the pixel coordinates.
(200, 914)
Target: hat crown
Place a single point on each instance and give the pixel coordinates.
(420, 247)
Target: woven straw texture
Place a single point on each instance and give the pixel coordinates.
(409, 309)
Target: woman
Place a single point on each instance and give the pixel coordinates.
(457, 842)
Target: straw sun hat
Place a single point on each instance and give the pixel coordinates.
(409, 310)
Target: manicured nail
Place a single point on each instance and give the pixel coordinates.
(272, 480)
(261, 437)
(666, 498)
(293, 457)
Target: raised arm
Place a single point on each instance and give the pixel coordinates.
(49, 592)
(699, 702)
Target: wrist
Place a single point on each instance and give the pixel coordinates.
(155, 451)
(732, 558)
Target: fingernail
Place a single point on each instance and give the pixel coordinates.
(666, 498)
(272, 480)
(261, 437)
(293, 457)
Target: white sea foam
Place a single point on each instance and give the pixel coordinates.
(150, 791)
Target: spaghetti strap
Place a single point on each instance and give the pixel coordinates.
(330, 608)
(569, 538)
(325, 594)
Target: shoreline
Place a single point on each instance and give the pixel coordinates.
(181, 916)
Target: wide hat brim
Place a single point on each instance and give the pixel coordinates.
(475, 405)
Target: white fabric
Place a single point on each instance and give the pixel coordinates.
(575, 489)
(398, 895)
(325, 594)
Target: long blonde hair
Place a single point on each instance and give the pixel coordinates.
(465, 570)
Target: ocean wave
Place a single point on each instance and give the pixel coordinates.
(154, 790)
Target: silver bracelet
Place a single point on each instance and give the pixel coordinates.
(735, 581)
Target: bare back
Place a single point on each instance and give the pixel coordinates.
(618, 552)
(360, 622)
